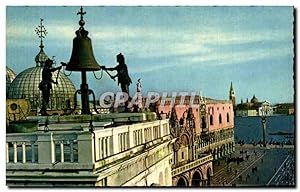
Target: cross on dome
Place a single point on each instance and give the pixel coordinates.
(41, 32)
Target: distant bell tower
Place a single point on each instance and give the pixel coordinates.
(232, 95)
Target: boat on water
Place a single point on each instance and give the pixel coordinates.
(281, 133)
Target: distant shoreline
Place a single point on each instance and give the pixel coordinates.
(274, 115)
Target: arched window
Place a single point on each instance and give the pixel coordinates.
(196, 179)
(227, 117)
(181, 182)
(167, 176)
(161, 179)
(203, 123)
(211, 120)
(208, 174)
(220, 118)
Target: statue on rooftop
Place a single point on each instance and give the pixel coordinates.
(139, 86)
(139, 94)
(46, 84)
(122, 74)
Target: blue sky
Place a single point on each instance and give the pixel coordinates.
(169, 48)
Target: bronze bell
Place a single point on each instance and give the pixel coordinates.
(82, 58)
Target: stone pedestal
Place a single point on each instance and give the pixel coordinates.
(46, 148)
(86, 148)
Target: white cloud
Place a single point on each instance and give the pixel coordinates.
(189, 45)
(220, 58)
(150, 42)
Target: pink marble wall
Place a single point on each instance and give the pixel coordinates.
(216, 109)
(180, 111)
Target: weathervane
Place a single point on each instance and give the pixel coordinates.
(41, 32)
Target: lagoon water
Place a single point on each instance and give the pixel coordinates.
(249, 129)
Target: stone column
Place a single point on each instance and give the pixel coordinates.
(161, 129)
(228, 148)
(168, 128)
(120, 142)
(123, 141)
(23, 153)
(138, 137)
(108, 146)
(216, 154)
(223, 151)
(32, 153)
(115, 143)
(46, 148)
(101, 153)
(126, 137)
(7, 152)
(122, 135)
(62, 157)
(135, 138)
(97, 148)
(143, 135)
(105, 147)
(71, 151)
(15, 152)
(131, 137)
(151, 133)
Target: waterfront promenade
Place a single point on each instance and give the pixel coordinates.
(270, 166)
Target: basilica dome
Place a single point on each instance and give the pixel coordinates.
(26, 86)
(254, 99)
(10, 76)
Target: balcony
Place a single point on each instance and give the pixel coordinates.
(79, 149)
(192, 165)
(208, 146)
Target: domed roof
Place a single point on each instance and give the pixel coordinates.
(10, 76)
(254, 99)
(26, 86)
(41, 58)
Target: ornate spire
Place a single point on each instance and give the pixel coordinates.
(173, 123)
(190, 118)
(41, 57)
(231, 94)
(173, 117)
(231, 87)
